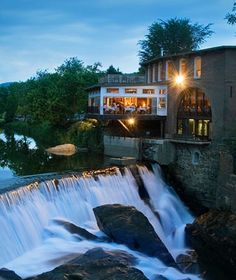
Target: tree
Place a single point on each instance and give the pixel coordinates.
(231, 17)
(112, 70)
(171, 37)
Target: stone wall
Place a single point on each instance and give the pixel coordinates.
(196, 169)
(121, 146)
(162, 151)
(202, 172)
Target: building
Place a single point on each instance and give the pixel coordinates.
(201, 88)
(119, 98)
(190, 95)
(190, 99)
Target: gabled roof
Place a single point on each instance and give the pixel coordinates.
(214, 49)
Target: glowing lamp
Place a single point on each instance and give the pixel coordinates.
(131, 121)
(179, 80)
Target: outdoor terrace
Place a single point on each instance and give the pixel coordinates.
(122, 79)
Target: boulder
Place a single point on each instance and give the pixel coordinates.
(96, 264)
(6, 274)
(65, 150)
(213, 236)
(188, 262)
(74, 229)
(126, 225)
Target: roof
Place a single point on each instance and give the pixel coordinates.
(214, 49)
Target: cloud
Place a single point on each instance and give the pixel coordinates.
(42, 34)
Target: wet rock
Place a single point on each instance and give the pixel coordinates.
(188, 262)
(160, 277)
(126, 225)
(100, 254)
(213, 236)
(72, 228)
(65, 150)
(6, 274)
(96, 264)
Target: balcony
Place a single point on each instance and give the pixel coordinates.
(111, 112)
(122, 79)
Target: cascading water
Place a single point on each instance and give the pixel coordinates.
(31, 242)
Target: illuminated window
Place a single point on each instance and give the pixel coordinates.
(180, 127)
(197, 67)
(162, 91)
(112, 90)
(162, 103)
(194, 114)
(148, 91)
(169, 70)
(182, 66)
(130, 90)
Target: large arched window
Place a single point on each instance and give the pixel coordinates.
(194, 114)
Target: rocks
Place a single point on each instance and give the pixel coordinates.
(213, 236)
(96, 264)
(126, 225)
(65, 150)
(72, 228)
(6, 274)
(188, 263)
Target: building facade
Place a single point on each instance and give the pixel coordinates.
(190, 98)
(201, 88)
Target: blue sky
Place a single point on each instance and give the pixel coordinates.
(41, 34)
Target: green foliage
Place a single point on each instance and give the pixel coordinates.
(86, 134)
(50, 97)
(231, 17)
(112, 70)
(172, 36)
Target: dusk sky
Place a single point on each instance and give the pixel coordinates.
(37, 35)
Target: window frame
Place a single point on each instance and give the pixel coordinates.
(195, 69)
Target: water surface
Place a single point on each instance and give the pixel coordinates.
(22, 156)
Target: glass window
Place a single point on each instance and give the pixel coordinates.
(191, 126)
(162, 91)
(169, 70)
(112, 90)
(148, 90)
(183, 66)
(180, 127)
(162, 103)
(197, 67)
(195, 158)
(130, 90)
(153, 73)
(161, 72)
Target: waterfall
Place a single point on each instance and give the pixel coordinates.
(31, 242)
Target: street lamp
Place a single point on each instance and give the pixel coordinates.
(179, 80)
(131, 121)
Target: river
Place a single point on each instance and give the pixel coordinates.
(32, 243)
(22, 157)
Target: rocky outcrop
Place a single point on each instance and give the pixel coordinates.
(6, 274)
(213, 236)
(188, 262)
(74, 229)
(126, 225)
(96, 264)
(64, 150)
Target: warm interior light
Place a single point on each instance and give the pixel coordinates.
(179, 79)
(131, 121)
